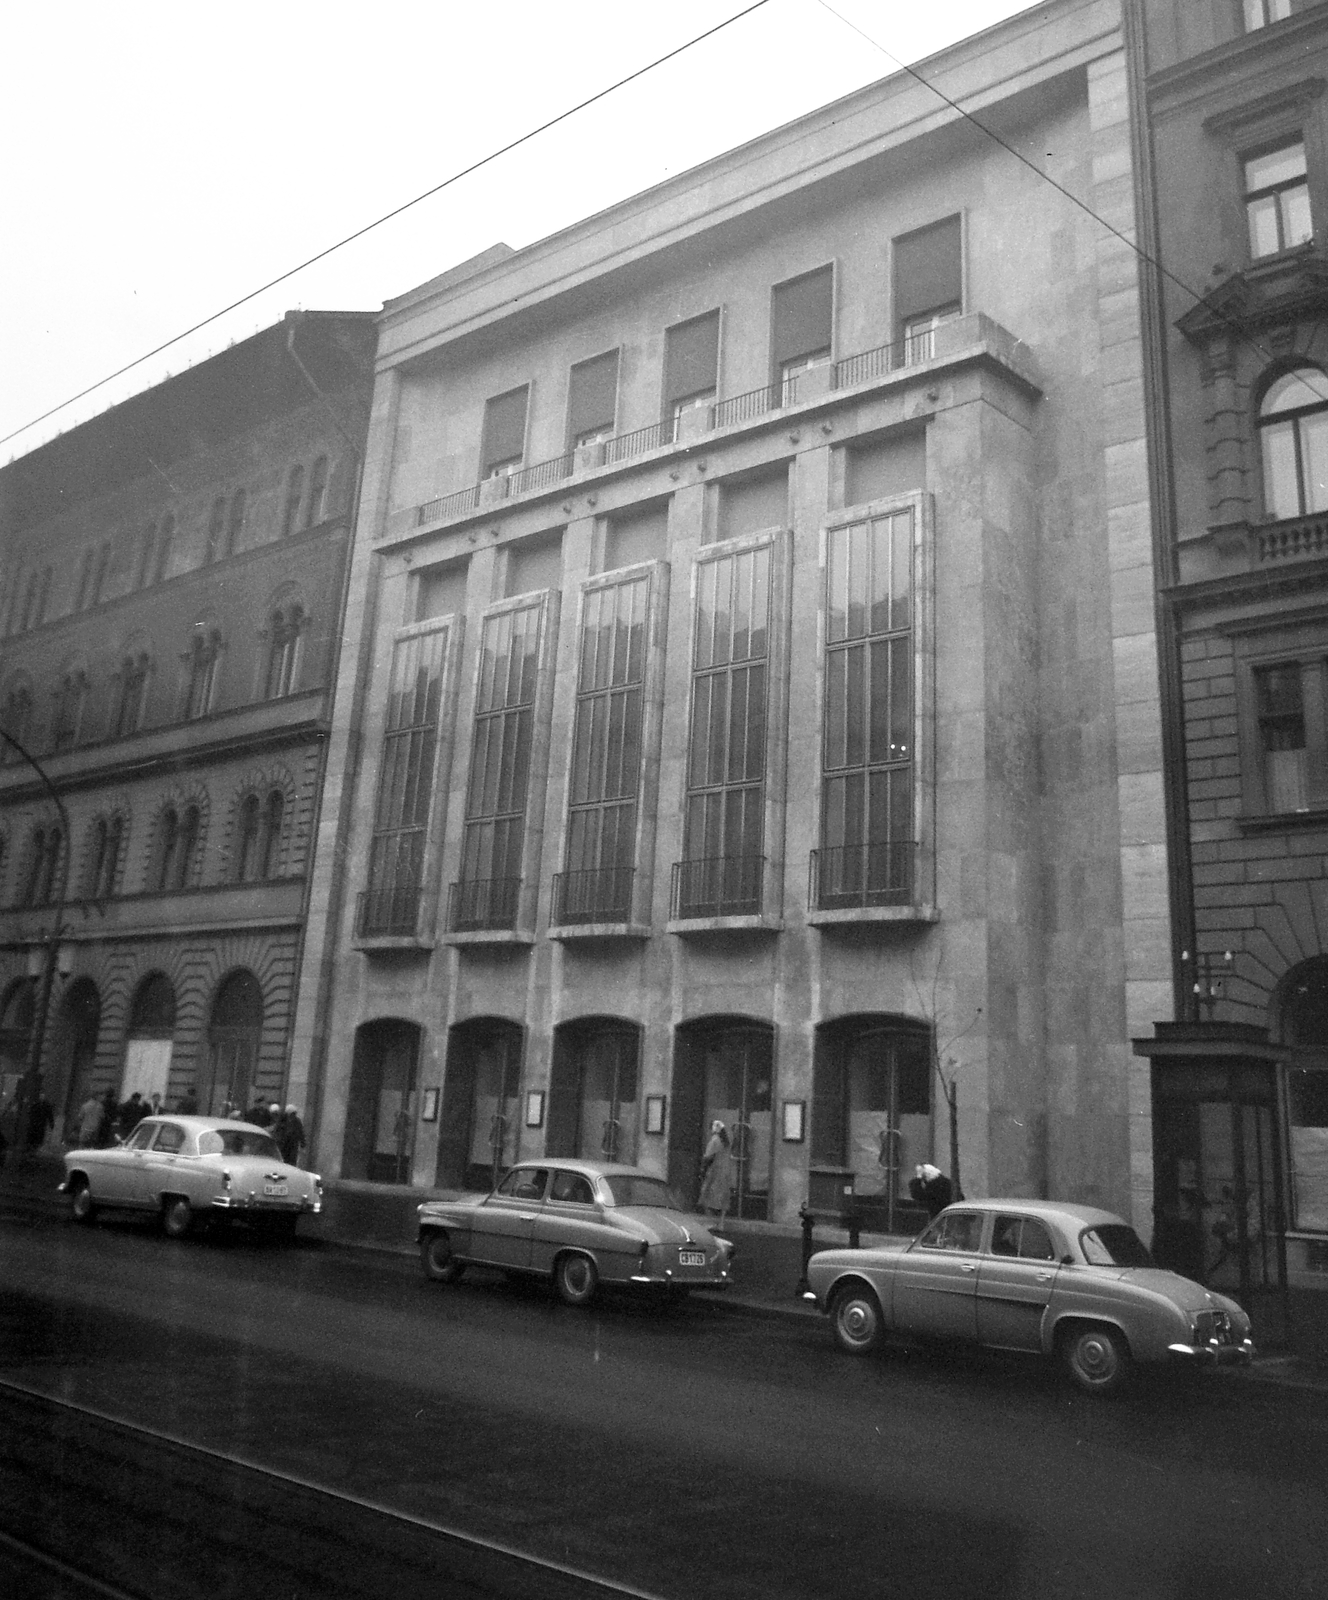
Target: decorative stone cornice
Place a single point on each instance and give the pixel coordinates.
(1287, 99)
(1287, 288)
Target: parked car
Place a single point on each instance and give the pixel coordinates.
(1065, 1280)
(580, 1223)
(183, 1168)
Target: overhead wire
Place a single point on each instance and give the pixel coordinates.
(1153, 261)
(387, 216)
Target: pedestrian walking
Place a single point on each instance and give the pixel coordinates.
(189, 1104)
(930, 1187)
(260, 1114)
(717, 1172)
(288, 1131)
(106, 1127)
(130, 1114)
(41, 1119)
(89, 1121)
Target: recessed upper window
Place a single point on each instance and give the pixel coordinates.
(801, 320)
(928, 282)
(592, 400)
(1277, 198)
(504, 433)
(314, 506)
(1259, 13)
(1293, 432)
(290, 517)
(691, 364)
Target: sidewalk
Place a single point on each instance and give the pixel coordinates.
(768, 1262)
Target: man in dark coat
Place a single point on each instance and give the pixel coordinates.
(130, 1114)
(288, 1131)
(931, 1189)
(41, 1119)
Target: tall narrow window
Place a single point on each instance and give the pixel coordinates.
(866, 854)
(290, 518)
(405, 784)
(724, 826)
(70, 699)
(102, 574)
(691, 365)
(201, 662)
(235, 523)
(1277, 199)
(800, 328)
(106, 857)
(1280, 698)
(85, 580)
(247, 840)
(165, 536)
(1293, 435)
(486, 896)
(592, 400)
(191, 824)
(286, 630)
(43, 867)
(147, 544)
(606, 756)
(270, 845)
(504, 433)
(15, 718)
(168, 846)
(43, 597)
(131, 694)
(928, 280)
(216, 530)
(313, 508)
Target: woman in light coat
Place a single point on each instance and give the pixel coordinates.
(716, 1172)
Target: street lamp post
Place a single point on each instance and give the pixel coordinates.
(29, 1090)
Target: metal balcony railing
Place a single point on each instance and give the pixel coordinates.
(450, 505)
(390, 913)
(478, 905)
(625, 445)
(718, 886)
(854, 876)
(541, 475)
(603, 894)
(743, 407)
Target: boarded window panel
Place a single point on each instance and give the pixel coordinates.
(441, 591)
(750, 505)
(691, 359)
(637, 535)
(592, 400)
(884, 468)
(928, 270)
(801, 316)
(535, 563)
(505, 427)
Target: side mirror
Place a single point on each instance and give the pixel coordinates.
(1067, 1261)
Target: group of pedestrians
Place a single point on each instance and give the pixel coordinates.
(103, 1120)
(286, 1128)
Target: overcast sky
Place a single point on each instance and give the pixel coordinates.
(164, 159)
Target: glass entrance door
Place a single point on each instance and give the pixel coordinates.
(737, 1068)
(493, 1124)
(608, 1109)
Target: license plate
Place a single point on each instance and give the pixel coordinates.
(275, 1188)
(691, 1258)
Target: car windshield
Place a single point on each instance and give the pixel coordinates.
(1114, 1244)
(237, 1142)
(627, 1190)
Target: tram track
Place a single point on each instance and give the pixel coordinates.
(104, 1507)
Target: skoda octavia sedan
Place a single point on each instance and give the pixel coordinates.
(580, 1223)
(185, 1168)
(1063, 1280)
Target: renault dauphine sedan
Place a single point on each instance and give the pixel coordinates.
(579, 1223)
(1063, 1280)
(185, 1168)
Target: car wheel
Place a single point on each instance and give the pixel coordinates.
(857, 1319)
(437, 1259)
(82, 1206)
(575, 1279)
(177, 1216)
(1097, 1359)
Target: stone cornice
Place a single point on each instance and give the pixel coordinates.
(1283, 288)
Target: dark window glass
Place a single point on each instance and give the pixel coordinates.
(504, 432)
(592, 400)
(691, 363)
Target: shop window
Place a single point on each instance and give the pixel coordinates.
(479, 1126)
(691, 365)
(928, 285)
(504, 443)
(1293, 438)
(593, 1098)
(1277, 198)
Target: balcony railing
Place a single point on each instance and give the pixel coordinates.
(541, 475)
(389, 913)
(718, 886)
(855, 876)
(1305, 536)
(479, 905)
(601, 895)
(625, 445)
(743, 407)
(450, 505)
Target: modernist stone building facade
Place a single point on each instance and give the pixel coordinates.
(173, 577)
(1236, 152)
(749, 701)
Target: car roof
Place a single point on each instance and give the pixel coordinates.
(197, 1124)
(1066, 1212)
(591, 1169)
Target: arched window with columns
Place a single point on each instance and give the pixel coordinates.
(1293, 441)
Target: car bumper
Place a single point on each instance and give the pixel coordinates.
(250, 1205)
(1213, 1355)
(683, 1280)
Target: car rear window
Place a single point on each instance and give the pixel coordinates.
(628, 1190)
(237, 1142)
(1114, 1244)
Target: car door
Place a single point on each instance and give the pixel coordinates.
(120, 1177)
(935, 1283)
(566, 1218)
(162, 1161)
(504, 1224)
(1015, 1279)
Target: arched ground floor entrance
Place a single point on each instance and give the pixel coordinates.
(594, 1110)
(723, 1071)
(380, 1111)
(479, 1126)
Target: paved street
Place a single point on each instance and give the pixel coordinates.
(688, 1453)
